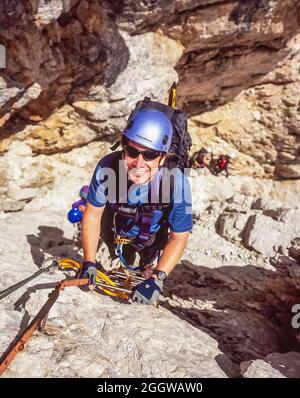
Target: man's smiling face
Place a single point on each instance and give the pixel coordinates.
(141, 171)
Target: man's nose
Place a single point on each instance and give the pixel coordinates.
(139, 161)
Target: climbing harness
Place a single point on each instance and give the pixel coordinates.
(125, 216)
(117, 283)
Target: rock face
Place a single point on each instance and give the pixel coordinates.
(265, 235)
(124, 339)
(74, 43)
(93, 60)
(257, 129)
(274, 365)
(230, 315)
(265, 227)
(247, 322)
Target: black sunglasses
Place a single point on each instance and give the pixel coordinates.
(147, 155)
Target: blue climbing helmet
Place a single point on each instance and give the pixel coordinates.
(150, 128)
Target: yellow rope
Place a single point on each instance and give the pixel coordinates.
(68, 263)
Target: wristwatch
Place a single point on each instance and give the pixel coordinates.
(161, 275)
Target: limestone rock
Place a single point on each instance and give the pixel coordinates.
(139, 350)
(67, 55)
(264, 235)
(266, 205)
(110, 107)
(231, 225)
(287, 363)
(274, 365)
(260, 369)
(289, 171)
(101, 59)
(62, 131)
(48, 11)
(294, 250)
(238, 305)
(43, 182)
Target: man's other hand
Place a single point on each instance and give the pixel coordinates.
(148, 291)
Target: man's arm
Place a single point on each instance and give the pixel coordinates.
(172, 251)
(149, 290)
(91, 224)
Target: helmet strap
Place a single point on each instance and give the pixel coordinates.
(115, 145)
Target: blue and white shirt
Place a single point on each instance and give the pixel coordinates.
(102, 191)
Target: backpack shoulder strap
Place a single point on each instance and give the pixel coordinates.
(169, 165)
(115, 166)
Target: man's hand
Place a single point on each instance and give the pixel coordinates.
(148, 291)
(89, 271)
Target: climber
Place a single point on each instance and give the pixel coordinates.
(199, 159)
(221, 165)
(137, 220)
